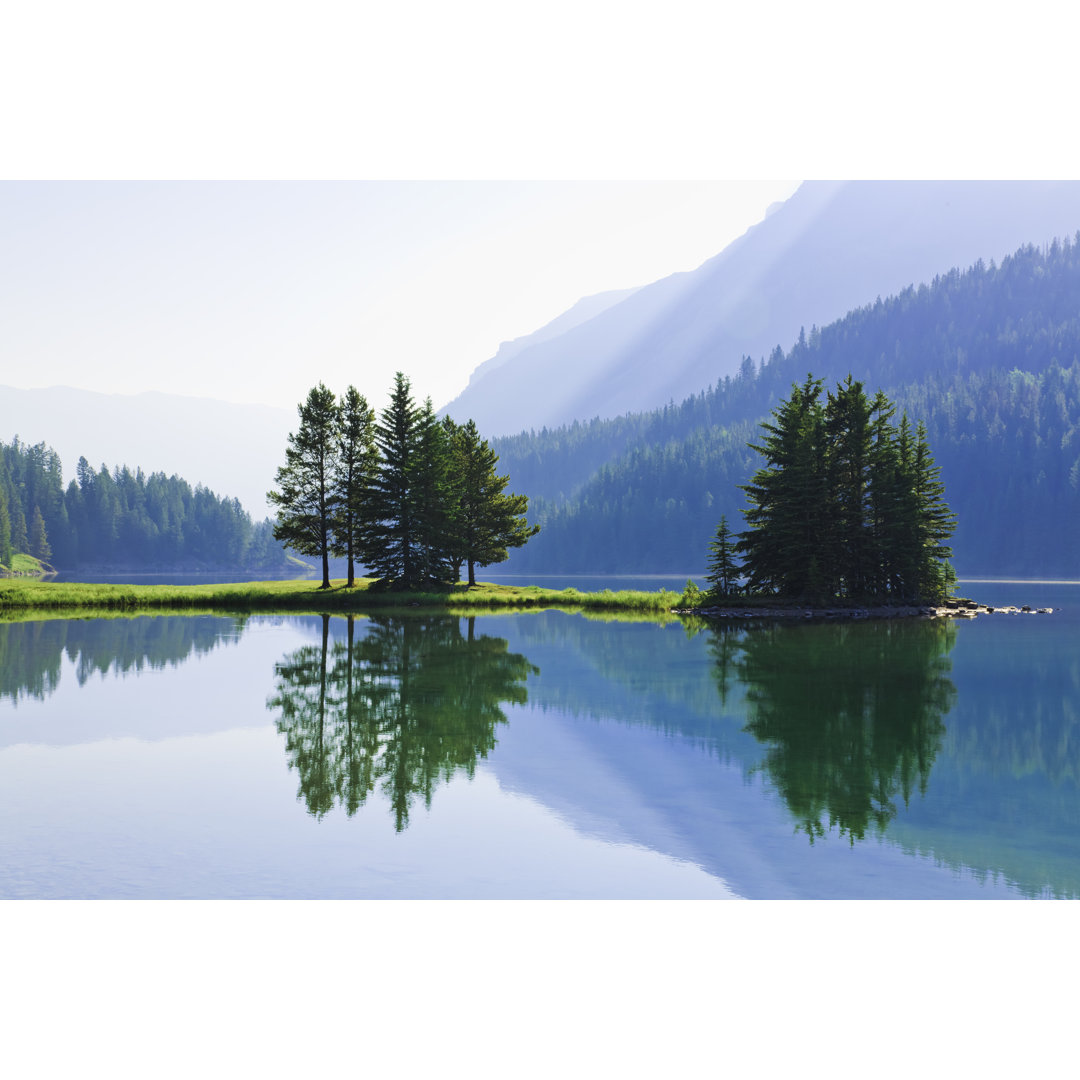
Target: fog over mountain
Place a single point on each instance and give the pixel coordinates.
(831, 247)
(233, 450)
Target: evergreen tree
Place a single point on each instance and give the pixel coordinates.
(357, 467)
(436, 497)
(486, 521)
(782, 549)
(305, 495)
(846, 548)
(934, 523)
(723, 571)
(5, 532)
(39, 542)
(393, 541)
(20, 540)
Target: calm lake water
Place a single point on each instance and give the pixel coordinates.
(543, 755)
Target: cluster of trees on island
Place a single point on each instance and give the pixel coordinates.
(848, 507)
(122, 517)
(408, 496)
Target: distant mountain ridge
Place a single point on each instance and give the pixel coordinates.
(586, 308)
(832, 247)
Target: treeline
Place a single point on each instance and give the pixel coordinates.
(31, 653)
(411, 498)
(988, 358)
(122, 517)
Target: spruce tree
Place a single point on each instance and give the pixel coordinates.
(435, 494)
(39, 542)
(357, 467)
(723, 571)
(393, 550)
(5, 532)
(846, 546)
(934, 524)
(305, 495)
(486, 520)
(782, 549)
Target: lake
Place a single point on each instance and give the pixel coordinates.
(543, 755)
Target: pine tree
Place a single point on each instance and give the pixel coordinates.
(436, 496)
(39, 542)
(782, 549)
(393, 550)
(357, 467)
(846, 546)
(5, 532)
(723, 571)
(305, 483)
(934, 524)
(486, 520)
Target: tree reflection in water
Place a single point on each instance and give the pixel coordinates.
(851, 712)
(405, 706)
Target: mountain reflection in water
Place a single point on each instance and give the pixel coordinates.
(407, 705)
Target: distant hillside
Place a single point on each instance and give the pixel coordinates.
(230, 448)
(828, 249)
(989, 358)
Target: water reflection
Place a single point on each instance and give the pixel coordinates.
(851, 713)
(31, 652)
(407, 703)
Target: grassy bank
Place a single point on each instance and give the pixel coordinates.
(18, 596)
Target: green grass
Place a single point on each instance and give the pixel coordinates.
(26, 564)
(18, 596)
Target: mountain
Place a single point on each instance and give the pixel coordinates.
(586, 308)
(232, 449)
(830, 248)
(988, 358)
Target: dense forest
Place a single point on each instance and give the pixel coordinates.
(988, 359)
(122, 518)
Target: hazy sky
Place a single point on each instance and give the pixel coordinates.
(254, 291)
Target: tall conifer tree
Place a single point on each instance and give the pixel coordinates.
(357, 468)
(305, 483)
(486, 520)
(782, 549)
(393, 541)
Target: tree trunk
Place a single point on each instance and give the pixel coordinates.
(472, 573)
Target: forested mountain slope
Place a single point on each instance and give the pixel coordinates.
(828, 249)
(989, 358)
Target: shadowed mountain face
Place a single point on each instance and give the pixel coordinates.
(830, 248)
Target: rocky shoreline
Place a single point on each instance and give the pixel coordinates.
(952, 609)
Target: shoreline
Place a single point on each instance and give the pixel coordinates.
(961, 609)
(22, 597)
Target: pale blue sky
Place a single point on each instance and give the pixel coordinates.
(253, 291)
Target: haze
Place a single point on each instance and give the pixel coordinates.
(253, 291)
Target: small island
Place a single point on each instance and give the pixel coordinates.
(847, 519)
